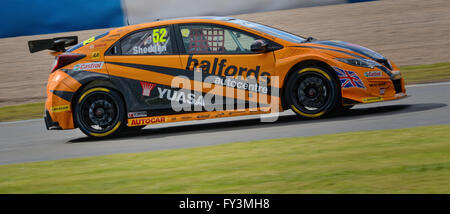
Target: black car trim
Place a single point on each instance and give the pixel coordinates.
(381, 67)
(66, 95)
(330, 49)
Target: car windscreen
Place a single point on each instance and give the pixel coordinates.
(269, 30)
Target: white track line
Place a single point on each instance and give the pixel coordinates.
(22, 121)
(428, 84)
(408, 86)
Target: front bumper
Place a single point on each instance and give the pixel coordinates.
(49, 123)
(58, 106)
(376, 90)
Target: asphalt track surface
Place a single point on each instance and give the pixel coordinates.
(26, 141)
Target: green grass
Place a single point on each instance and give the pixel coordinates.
(412, 74)
(22, 112)
(413, 160)
(426, 73)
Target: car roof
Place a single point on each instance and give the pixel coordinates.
(156, 22)
(221, 18)
(228, 21)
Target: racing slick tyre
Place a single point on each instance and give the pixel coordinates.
(100, 112)
(312, 92)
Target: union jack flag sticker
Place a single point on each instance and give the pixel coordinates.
(349, 79)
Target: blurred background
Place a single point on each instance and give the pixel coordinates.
(54, 16)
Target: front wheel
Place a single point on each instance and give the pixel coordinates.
(99, 112)
(312, 92)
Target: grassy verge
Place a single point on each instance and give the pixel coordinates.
(413, 74)
(22, 112)
(413, 160)
(426, 73)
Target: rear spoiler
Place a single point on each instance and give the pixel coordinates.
(57, 44)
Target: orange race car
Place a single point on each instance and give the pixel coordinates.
(203, 68)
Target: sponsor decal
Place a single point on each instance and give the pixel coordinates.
(60, 108)
(185, 32)
(220, 114)
(146, 121)
(147, 88)
(250, 84)
(114, 35)
(95, 55)
(239, 84)
(203, 116)
(220, 68)
(97, 46)
(378, 84)
(349, 79)
(373, 74)
(235, 112)
(382, 91)
(153, 48)
(137, 114)
(372, 99)
(88, 66)
(87, 41)
(181, 96)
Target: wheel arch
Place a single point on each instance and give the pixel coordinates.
(304, 63)
(92, 84)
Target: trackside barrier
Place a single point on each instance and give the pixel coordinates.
(31, 17)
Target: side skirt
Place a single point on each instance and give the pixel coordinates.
(194, 116)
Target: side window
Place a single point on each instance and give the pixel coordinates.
(154, 41)
(215, 39)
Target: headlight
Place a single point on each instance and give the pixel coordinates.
(367, 63)
(396, 75)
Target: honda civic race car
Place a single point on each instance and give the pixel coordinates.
(204, 68)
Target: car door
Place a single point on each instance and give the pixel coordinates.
(143, 63)
(223, 55)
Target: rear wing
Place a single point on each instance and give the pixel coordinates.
(57, 44)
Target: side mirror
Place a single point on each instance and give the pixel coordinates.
(259, 46)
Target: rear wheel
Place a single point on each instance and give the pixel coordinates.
(312, 92)
(100, 112)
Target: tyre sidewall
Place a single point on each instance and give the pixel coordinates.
(335, 92)
(120, 111)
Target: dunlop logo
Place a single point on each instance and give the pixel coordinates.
(60, 108)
